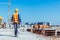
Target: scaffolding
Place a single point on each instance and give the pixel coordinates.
(9, 13)
(9, 3)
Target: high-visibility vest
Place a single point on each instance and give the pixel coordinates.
(15, 18)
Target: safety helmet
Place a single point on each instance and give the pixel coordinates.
(16, 9)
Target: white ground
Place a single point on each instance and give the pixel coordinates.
(8, 34)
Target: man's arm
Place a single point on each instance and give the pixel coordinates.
(19, 18)
(12, 18)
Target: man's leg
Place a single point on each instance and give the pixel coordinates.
(16, 30)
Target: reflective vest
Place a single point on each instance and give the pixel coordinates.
(15, 18)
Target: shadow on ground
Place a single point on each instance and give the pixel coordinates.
(7, 35)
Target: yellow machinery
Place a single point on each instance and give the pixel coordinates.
(0, 19)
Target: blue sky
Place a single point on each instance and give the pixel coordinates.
(33, 10)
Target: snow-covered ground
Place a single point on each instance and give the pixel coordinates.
(8, 34)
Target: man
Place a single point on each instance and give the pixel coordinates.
(16, 21)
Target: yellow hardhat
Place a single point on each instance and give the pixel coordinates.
(16, 9)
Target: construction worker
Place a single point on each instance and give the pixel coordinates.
(16, 21)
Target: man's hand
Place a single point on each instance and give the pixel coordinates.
(11, 22)
(19, 23)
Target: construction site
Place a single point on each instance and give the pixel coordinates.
(38, 31)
